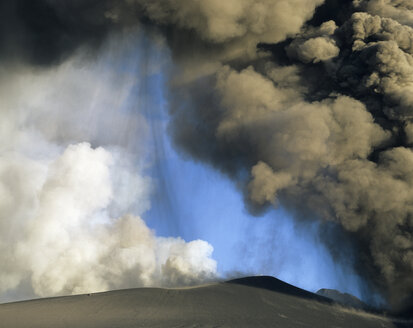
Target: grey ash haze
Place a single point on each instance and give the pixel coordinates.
(303, 103)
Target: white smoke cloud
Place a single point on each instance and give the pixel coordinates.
(73, 185)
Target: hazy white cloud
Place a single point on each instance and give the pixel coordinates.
(67, 242)
(73, 185)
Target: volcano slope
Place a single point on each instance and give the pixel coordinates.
(246, 302)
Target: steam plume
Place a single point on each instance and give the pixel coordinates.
(71, 212)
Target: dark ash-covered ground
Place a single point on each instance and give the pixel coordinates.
(246, 302)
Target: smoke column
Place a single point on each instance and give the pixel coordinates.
(303, 103)
(319, 123)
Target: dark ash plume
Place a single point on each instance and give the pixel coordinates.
(322, 126)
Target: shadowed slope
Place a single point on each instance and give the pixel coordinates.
(248, 302)
(276, 285)
(343, 298)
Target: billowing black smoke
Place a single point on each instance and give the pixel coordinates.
(303, 104)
